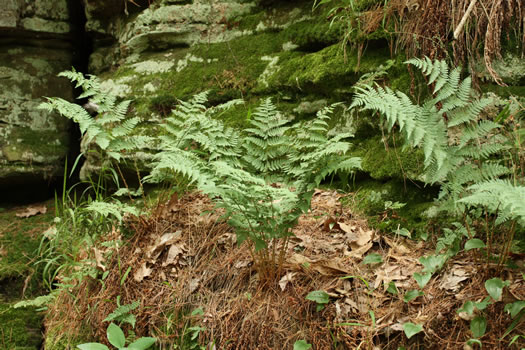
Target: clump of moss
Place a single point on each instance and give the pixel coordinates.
(20, 329)
(375, 200)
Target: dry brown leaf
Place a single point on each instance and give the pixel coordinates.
(357, 251)
(388, 274)
(241, 264)
(286, 279)
(324, 267)
(51, 232)
(174, 254)
(32, 210)
(142, 273)
(167, 239)
(194, 284)
(99, 258)
(452, 279)
(397, 246)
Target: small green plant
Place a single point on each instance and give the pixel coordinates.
(465, 153)
(123, 313)
(301, 345)
(320, 297)
(117, 338)
(241, 180)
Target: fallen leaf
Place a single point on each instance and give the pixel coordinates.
(241, 264)
(32, 210)
(51, 232)
(286, 279)
(358, 252)
(167, 239)
(99, 258)
(452, 279)
(194, 284)
(324, 267)
(142, 273)
(174, 254)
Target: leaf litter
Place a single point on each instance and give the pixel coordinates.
(183, 261)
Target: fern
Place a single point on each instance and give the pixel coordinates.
(111, 130)
(123, 314)
(462, 151)
(266, 142)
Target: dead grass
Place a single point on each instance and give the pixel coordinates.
(182, 260)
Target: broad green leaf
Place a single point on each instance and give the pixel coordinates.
(412, 329)
(319, 296)
(142, 343)
(474, 243)
(494, 287)
(482, 305)
(373, 258)
(478, 326)
(467, 308)
(115, 336)
(301, 345)
(92, 346)
(514, 308)
(412, 294)
(422, 278)
(433, 263)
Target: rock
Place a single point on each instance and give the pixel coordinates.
(35, 46)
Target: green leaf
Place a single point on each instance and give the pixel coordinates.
(115, 336)
(475, 341)
(373, 258)
(433, 263)
(412, 294)
(467, 308)
(412, 329)
(92, 346)
(494, 287)
(515, 308)
(474, 243)
(478, 326)
(319, 296)
(422, 278)
(482, 305)
(301, 345)
(392, 288)
(142, 343)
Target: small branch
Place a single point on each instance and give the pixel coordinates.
(461, 24)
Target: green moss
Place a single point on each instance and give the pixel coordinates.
(40, 146)
(19, 240)
(326, 70)
(371, 197)
(383, 164)
(20, 328)
(313, 34)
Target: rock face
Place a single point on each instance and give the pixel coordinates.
(170, 50)
(35, 45)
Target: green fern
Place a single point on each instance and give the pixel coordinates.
(463, 152)
(266, 142)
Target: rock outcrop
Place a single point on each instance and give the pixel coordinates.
(35, 45)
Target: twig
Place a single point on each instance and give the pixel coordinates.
(461, 24)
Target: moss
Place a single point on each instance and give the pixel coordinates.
(19, 241)
(20, 328)
(40, 146)
(504, 91)
(382, 164)
(326, 70)
(371, 197)
(312, 35)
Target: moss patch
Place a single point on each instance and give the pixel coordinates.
(383, 164)
(372, 196)
(20, 329)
